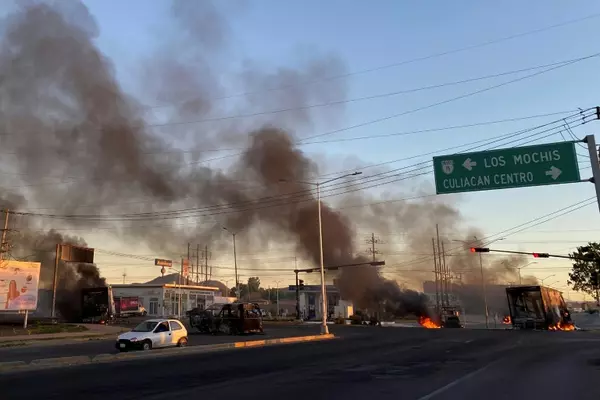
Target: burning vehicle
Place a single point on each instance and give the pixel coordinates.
(97, 305)
(229, 319)
(538, 307)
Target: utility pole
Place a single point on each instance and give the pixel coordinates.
(435, 271)
(446, 276)
(440, 268)
(206, 262)
(3, 240)
(124, 276)
(197, 263)
(372, 241)
(187, 278)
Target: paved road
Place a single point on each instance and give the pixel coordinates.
(68, 348)
(384, 363)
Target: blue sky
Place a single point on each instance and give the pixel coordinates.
(372, 34)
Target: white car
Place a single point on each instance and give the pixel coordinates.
(154, 333)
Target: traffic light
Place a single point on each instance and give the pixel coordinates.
(480, 250)
(541, 255)
(300, 284)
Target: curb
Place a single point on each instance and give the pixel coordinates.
(27, 340)
(43, 363)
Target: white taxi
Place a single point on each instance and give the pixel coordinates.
(154, 333)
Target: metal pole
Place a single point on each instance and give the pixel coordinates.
(3, 240)
(25, 320)
(197, 264)
(487, 326)
(297, 294)
(55, 279)
(520, 282)
(440, 267)
(591, 143)
(187, 277)
(324, 329)
(446, 275)
(435, 271)
(206, 261)
(237, 282)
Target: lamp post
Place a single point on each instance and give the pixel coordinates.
(237, 281)
(550, 276)
(324, 329)
(520, 268)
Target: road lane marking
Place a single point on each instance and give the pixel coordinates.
(457, 381)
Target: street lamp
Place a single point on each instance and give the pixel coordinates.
(237, 282)
(324, 329)
(487, 314)
(277, 289)
(520, 268)
(547, 278)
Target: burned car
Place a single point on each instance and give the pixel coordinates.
(229, 319)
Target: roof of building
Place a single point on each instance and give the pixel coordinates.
(166, 285)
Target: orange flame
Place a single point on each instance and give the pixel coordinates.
(506, 320)
(428, 323)
(562, 327)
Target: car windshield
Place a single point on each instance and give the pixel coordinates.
(146, 326)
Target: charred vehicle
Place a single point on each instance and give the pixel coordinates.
(97, 305)
(538, 307)
(229, 319)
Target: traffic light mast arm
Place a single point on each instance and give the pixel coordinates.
(373, 263)
(528, 253)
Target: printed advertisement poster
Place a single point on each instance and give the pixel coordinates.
(19, 285)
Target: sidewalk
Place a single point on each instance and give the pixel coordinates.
(94, 330)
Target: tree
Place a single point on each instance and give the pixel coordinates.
(254, 284)
(585, 273)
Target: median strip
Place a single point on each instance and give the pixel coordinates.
(15, 366)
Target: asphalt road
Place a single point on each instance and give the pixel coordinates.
(67, 348)
(366, 362)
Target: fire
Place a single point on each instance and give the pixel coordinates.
(428, 323)
(507, 320)
(562, 327)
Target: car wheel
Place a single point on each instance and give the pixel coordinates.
(147, 345)
(182, 342)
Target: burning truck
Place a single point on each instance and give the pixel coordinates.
(538, 307)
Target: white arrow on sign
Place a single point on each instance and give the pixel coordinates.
(553, 172)
(468, 164)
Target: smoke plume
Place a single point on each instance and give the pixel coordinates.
(81, 152)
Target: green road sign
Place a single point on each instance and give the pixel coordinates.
(545, 164)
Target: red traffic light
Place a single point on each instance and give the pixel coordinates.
(480, 250)
(541, 255)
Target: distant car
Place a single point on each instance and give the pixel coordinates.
(453, 321)
(154, 333)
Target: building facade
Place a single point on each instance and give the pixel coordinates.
(170, 300)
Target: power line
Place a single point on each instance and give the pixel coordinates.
(218, 209)
(410, 61)
(364, 98)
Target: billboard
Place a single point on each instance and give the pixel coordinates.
(19, 285)
(70, 253)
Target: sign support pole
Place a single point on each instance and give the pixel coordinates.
(55, 279)
(591, 144)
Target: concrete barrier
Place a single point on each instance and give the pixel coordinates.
(136, 355)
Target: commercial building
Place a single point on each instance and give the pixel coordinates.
(163, 300)
(310, 301)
